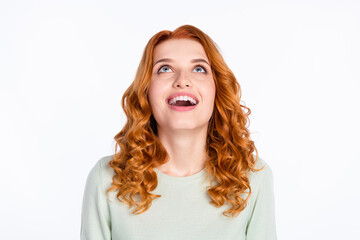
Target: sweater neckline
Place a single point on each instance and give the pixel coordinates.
(180, 179)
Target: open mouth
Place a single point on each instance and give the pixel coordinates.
(185, 103)
(182, 105)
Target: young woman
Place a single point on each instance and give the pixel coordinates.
(186, 168)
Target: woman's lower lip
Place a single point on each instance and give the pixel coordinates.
(182, 108)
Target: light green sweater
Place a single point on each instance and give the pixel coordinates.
(182, 212)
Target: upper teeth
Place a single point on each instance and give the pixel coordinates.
(182, 98)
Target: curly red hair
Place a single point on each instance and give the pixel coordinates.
(228, 145)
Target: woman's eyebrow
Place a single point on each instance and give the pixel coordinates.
(192, 61)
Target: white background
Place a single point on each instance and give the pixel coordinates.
(64, 66)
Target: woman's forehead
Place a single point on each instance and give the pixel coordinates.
(179, 48)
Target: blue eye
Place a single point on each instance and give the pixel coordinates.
(201, 67)
(162, 67)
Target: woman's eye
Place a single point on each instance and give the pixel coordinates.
(164, 67)
(200, 67)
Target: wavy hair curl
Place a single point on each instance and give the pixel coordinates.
(228, 144)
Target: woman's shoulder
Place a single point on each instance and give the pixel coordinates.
(263, 176)
(103, 162)
(105, 172)
(262, 163)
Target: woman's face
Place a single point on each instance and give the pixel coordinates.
(181, 73)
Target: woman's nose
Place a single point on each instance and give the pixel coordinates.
(182, 80)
